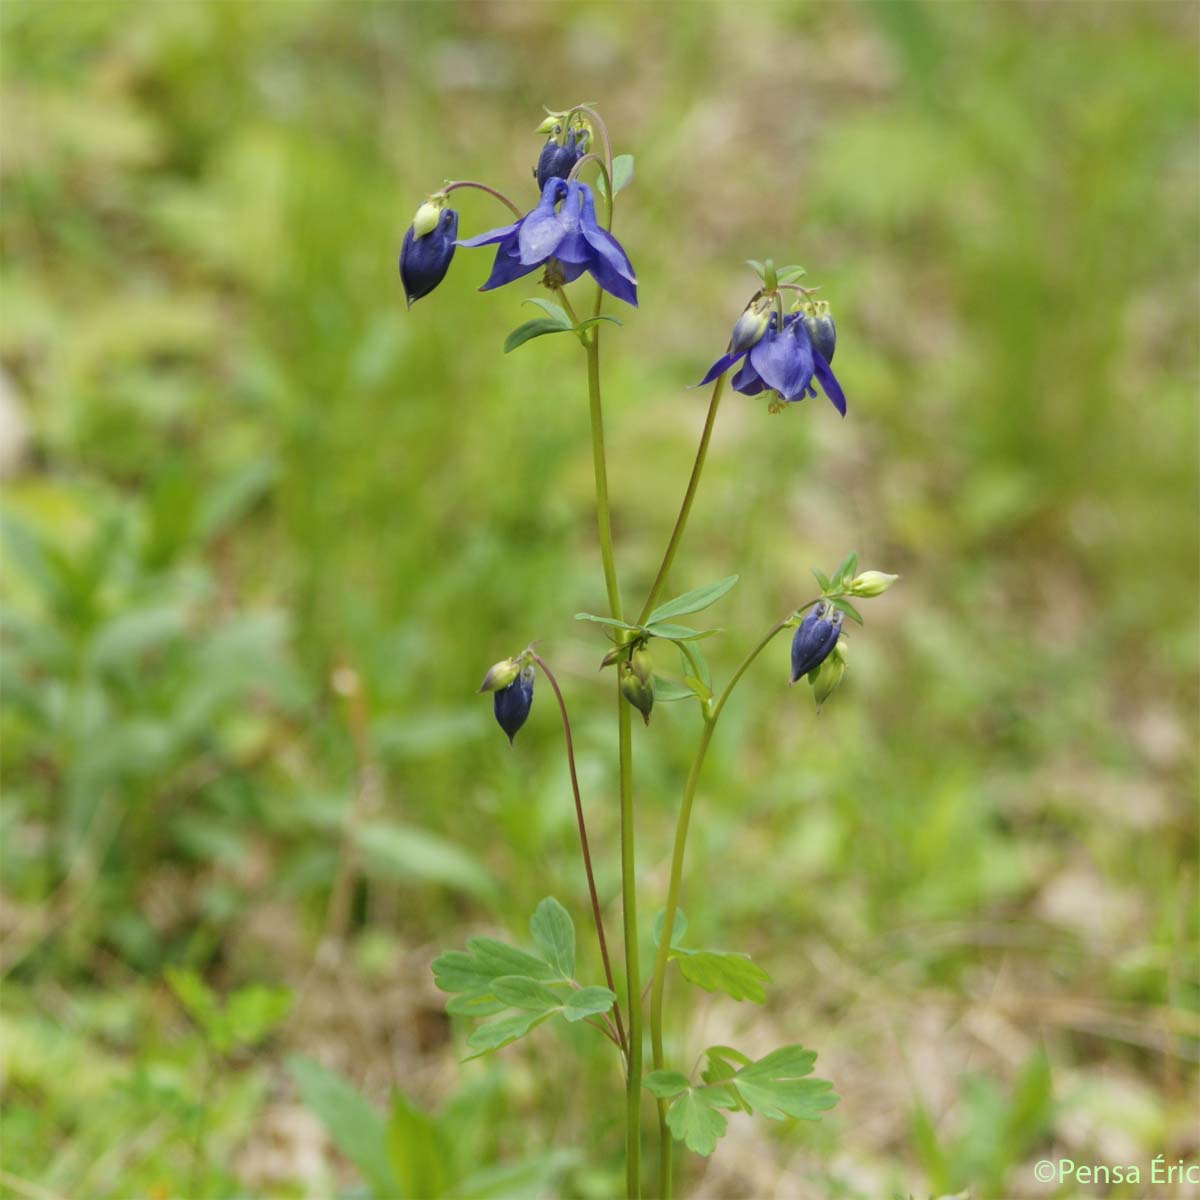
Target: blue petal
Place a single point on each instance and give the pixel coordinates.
(722, 365)
(747, 380)
(829, 383)
(605, 245)
(612, 282)
(493, 235)
(572, 248)
(541, 230)
(507, 267)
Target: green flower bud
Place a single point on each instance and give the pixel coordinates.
(427, 218)
(637, 683)
(500, 675)
(550, 124)
(871, 583)
(829, 674)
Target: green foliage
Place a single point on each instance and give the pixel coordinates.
(722, 971)
(247, 1017)
(775, 1086)
(412, 1154)
(491, 977)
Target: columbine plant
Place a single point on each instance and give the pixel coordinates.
(782, 345)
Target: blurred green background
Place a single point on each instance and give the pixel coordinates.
(265, 529)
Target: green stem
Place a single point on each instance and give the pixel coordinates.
(673, 889)
(685, 508)
(633, 983)
(633, 1079)
(603, 519)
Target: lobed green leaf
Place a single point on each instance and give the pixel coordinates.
(665, 1084)
(498, 1034)
(588, 1002)
(554, 932)
(694, 1121)
(737, 975)
(519, 991)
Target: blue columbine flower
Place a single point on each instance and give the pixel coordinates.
(783, 360)
(425, 256)
(562, 228)
(512, 704)
(815, 637)
(556, 161)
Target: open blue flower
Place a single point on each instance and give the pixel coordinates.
(782, 360)
(562, 228)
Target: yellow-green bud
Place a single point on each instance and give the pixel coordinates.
(500, 675)
(829, 674)
(637, 684)
(427, 218)
(871, 583)
(550, 124)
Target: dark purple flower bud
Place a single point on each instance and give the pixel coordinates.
(819, 323)
(815, 637)
(512, 704)
(556, 161)
(425, 257)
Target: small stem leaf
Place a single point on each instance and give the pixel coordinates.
(622, 167)
(846, 570)
(588, 1002)
(680, 928)
(680, 633)
(775, 1086)
(667, 689)
(847, 608)
(588, 322)
(518, 991)
(497, 1034)
(482, 1002)
(622, 172)
(694, 1122)
(499, 958)
(790, 274)
(554, 933)
(533, 329)
(716, 971)
(582, 616)
(555, 312)
(693, 601)
(821, 578)
(665, 1084)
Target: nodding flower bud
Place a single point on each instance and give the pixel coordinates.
(752, 324)
(815, 637)
(821, 329)
(636, 679)
(511, 704)
(829, 675)
(870, 583)
(557, 159)
(425, 257)
(500, 674)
